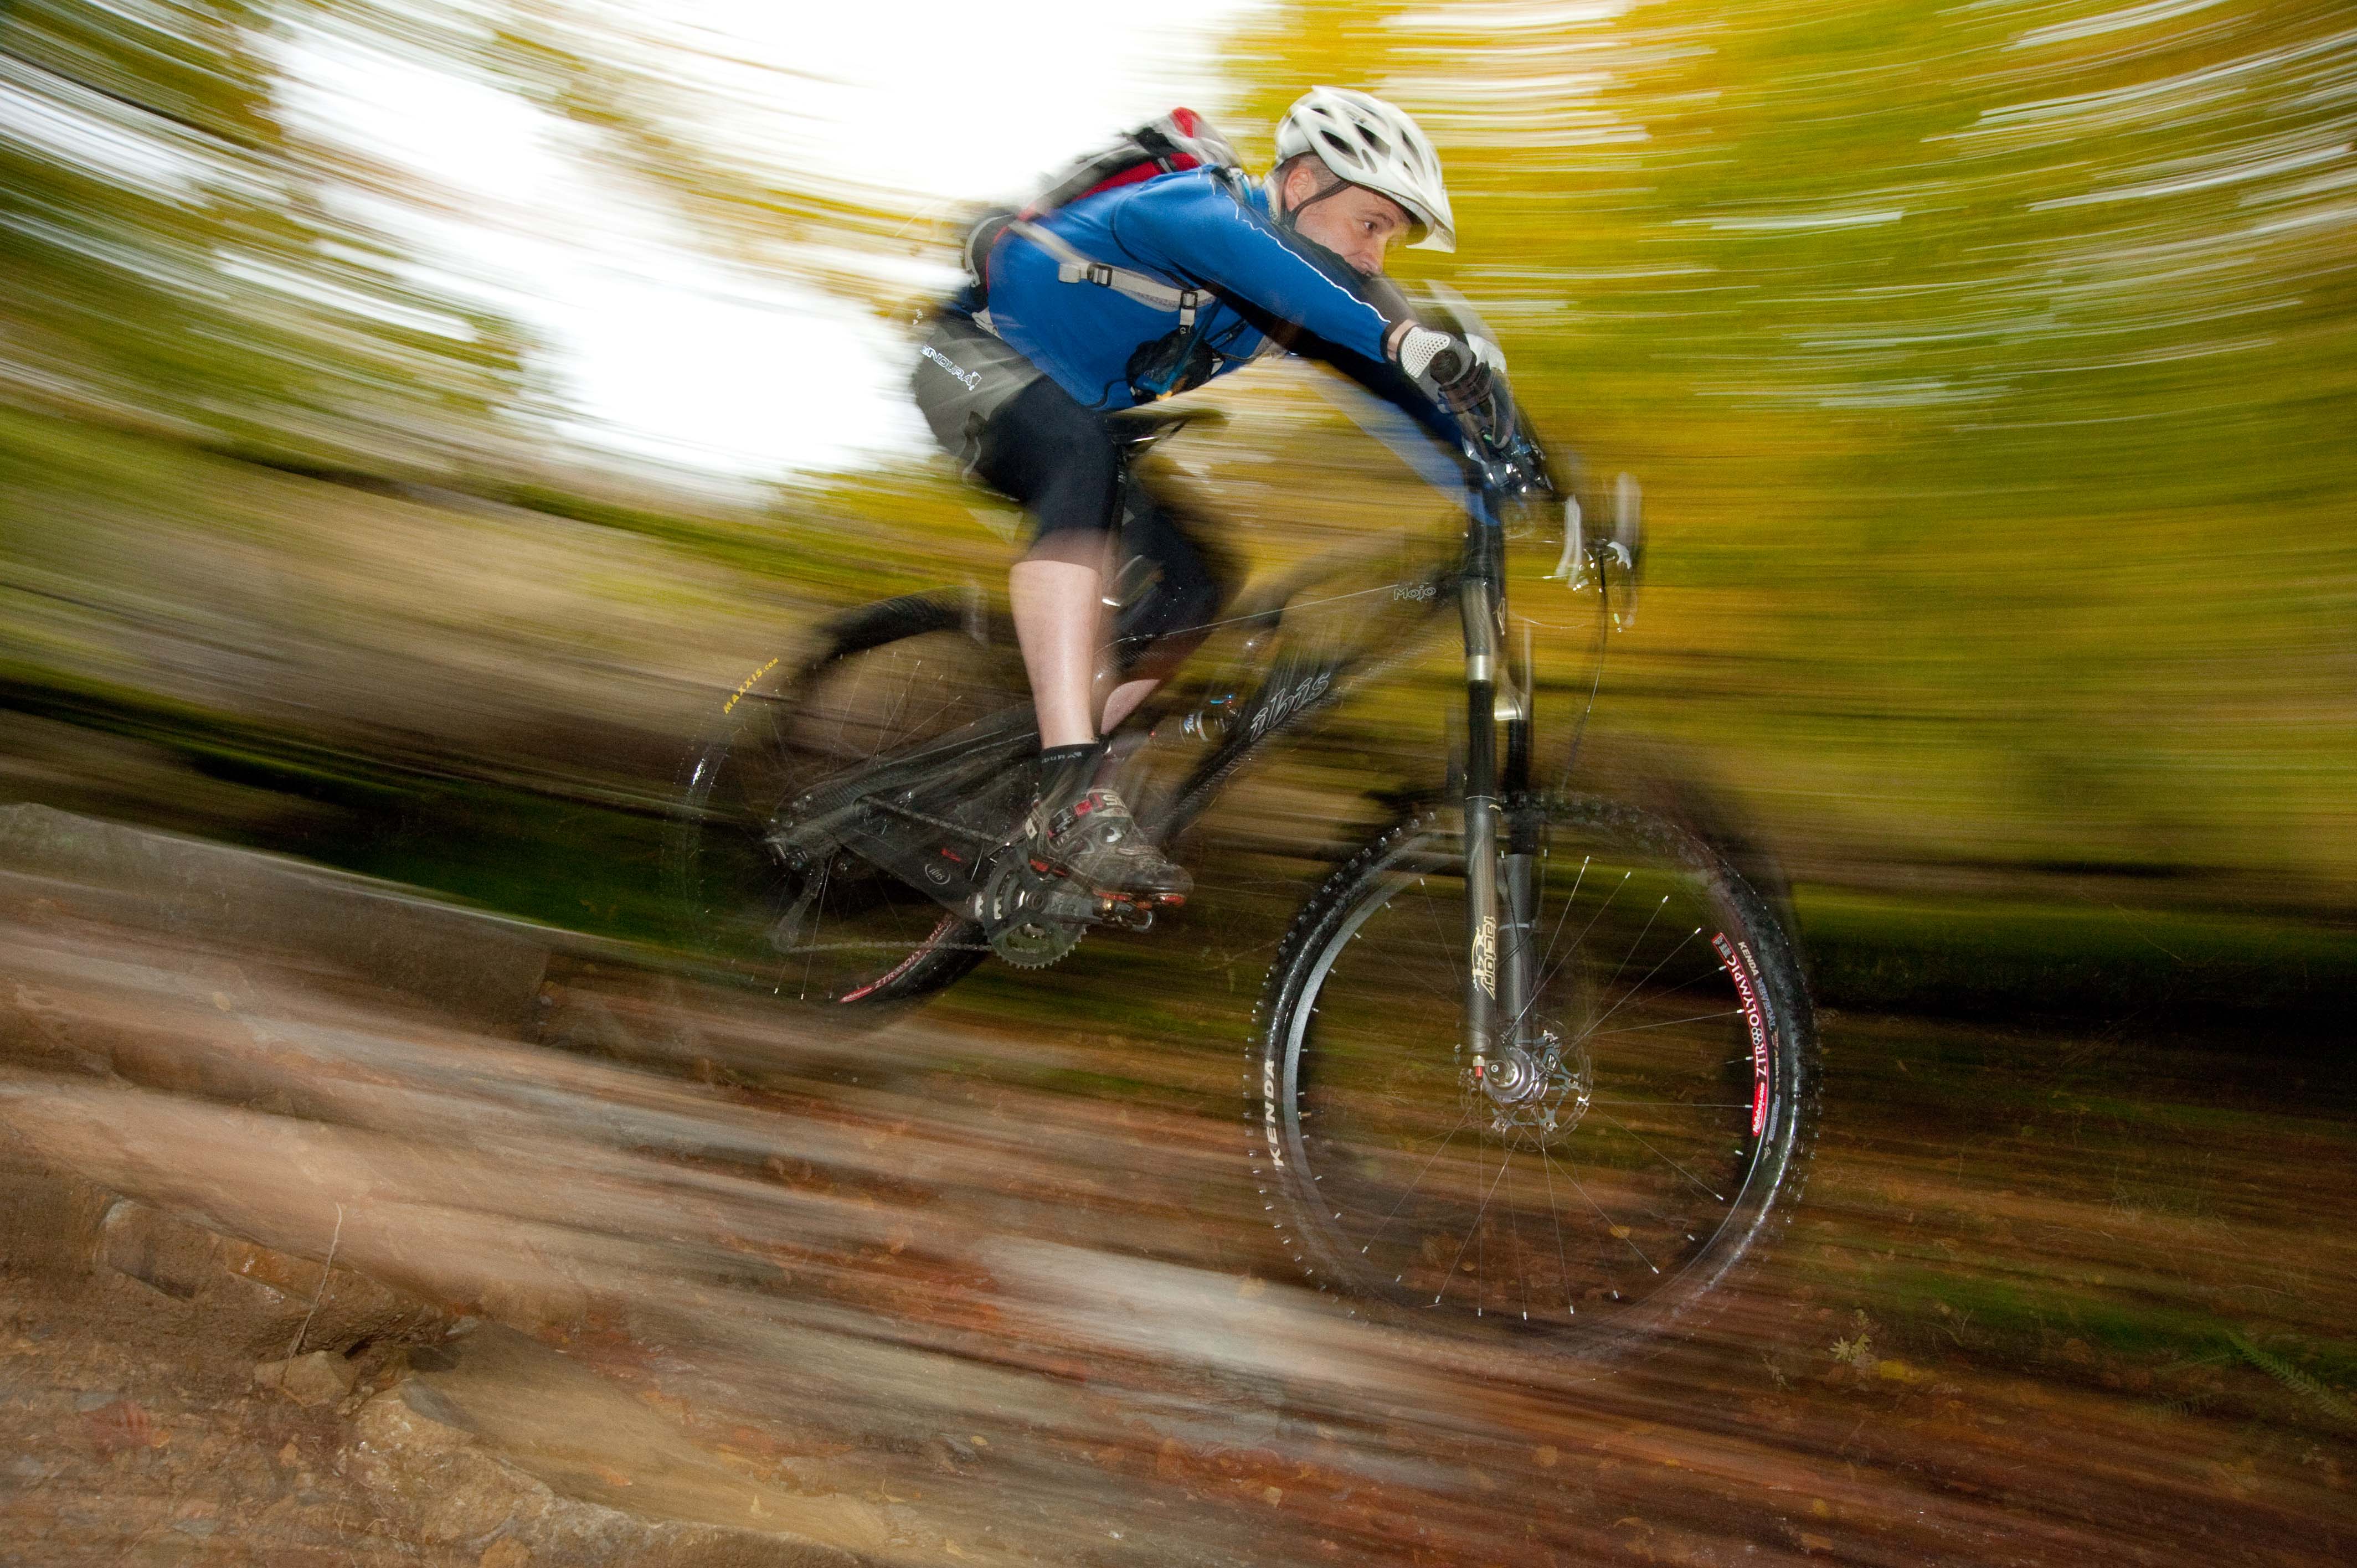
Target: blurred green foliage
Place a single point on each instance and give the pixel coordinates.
(171, 255)
(1988, 368)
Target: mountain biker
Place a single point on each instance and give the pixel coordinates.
(1021, 369)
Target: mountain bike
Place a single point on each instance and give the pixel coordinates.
(1531, 1057)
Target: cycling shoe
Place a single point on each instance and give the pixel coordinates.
(1095, 841)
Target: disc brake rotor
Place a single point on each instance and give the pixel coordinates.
(1545, 1116)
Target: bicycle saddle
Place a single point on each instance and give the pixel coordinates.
(1140, 428)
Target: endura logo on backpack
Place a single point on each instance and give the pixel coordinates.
(972, 379)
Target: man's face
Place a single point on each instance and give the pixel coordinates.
(1355, 223)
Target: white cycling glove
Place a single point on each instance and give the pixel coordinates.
(1458, 369)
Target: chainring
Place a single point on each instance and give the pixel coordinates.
(1018, 935)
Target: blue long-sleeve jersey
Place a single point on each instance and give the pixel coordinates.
(1198, 229)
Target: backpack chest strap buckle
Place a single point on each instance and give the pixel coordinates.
(1074, 266)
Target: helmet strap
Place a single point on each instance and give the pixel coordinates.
(1327, 254)
(1289, 216)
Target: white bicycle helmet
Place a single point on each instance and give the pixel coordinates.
(1367, 142)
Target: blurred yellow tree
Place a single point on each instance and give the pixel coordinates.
(1991, 370)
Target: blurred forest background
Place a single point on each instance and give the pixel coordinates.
(1989, 367)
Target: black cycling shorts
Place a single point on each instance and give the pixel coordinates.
(1054, 456)
(1016, 430)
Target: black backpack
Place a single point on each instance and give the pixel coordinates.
(1181, 139)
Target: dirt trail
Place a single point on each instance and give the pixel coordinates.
(972, 1292)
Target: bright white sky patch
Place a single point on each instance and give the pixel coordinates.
(660, 349)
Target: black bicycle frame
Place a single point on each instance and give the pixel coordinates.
(1292, 691)
(1498, 905)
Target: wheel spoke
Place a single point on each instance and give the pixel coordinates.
(1700, 1185)
(818, 903)
(1550, 977)
(1546, 1167)
(1470, 1231)
(900, 680)
(1564, 913)
(1667, 1023)
(1410, 1190)
(1640, 986)
(1681, 1104)
(1441, 937)
(1639, 1133)
(1514, 1229)
(1618, 1231)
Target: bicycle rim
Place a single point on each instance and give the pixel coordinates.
(1677, 1091)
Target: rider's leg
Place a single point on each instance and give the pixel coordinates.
(1053, 455)
(1058, 592)
(1056, 457)
(1193, 578)
(1147, 671)
(1039, 446)
(1127, 698)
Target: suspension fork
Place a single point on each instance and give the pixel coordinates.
(1518, 976)
(1499, 1029)
(1479, 606)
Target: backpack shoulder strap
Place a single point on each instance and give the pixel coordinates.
(1074, 266)
(979, 241)
(1181, 139)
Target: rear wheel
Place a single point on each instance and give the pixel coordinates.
(826, 926)
(1663, 1137)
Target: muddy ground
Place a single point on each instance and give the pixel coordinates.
(659, 1273)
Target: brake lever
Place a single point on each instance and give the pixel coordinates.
(1579, 566)
(1510, 471)
(1571, 566)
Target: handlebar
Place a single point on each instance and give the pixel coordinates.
(1502, 455)
(1505, 462)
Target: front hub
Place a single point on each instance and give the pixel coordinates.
(1532, 1097)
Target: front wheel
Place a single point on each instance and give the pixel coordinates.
(1663, 1136)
